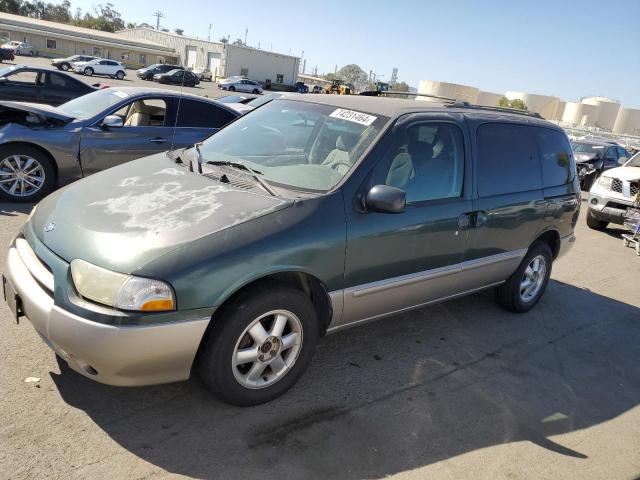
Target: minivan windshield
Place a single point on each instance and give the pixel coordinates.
(296, 144)
(90, 105)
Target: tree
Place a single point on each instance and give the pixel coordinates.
(400, 87)
(179, 31)
(355, 75)
(516, 104)
(223, 40)
(238, 41)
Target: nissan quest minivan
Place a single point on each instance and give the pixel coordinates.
(307, 215)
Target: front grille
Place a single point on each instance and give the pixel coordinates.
(616, 185)
(37, 268)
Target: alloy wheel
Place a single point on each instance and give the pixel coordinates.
(267, 349)
(21, 175)
(533, 278)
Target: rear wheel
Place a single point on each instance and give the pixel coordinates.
(119, 74)
(232, 88)
(65, 67)
(256, 91)
(31, 53)
(26, 174)
(260, 344)
(525, 287)
(594, 223)
(88, 71)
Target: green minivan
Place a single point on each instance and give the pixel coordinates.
(307, 215)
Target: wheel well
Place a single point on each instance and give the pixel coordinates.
(54, 165)
(551, 238)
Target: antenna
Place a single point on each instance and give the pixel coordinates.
(158, 14)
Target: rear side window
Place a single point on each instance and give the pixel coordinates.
(193, 113)
(507, 159)
(555, 156)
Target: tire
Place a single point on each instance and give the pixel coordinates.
(510, 294)
(32, 53)
(120, 74)
(594, 223)
(65, 67)
(230, 381)
(88, 71)
(232, 88)
(23, 191)
(255, 91)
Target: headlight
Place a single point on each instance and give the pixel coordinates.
(125, 292)
(605, 183)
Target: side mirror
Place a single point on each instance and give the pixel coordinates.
(386, 199)
(112, 121)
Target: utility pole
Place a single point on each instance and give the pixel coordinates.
(209, 37)
(158, 14)
(246, 30)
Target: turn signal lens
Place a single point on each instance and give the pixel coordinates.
(157, 306)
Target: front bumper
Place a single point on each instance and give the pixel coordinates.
(607, 209)
(110, 354)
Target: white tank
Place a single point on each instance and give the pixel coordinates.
(449, 90)
(560, 110)
(488, 99)
(607, 113)
(628, 122)
(545, 105)
(580, 114)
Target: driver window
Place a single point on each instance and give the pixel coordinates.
(150, 112)
(24, 78)
(426, 161)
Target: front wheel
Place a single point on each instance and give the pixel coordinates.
(259, 345)
(26, 174)
(88, 72)
(119, 74)
(525, 287)
(65, 67)
(255, 91)
(594, 223)
(232, 88)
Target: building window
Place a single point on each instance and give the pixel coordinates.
(5, 36)
(143, 59)
(97, 51)
(244, 72)
(280, 78)
(51, 44)
(124, 56)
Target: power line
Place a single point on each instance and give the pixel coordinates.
(158, 14)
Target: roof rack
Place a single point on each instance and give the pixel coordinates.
(381, 93)
(459, 104)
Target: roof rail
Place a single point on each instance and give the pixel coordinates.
(459, 104)
(387, 93)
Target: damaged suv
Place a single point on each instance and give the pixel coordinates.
(307, 215)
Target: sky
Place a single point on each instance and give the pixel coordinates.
(570, 49)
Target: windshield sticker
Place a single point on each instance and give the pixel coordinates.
(353, 116)
(120, 94)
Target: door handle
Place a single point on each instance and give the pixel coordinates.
(157, 140)
(472, 219)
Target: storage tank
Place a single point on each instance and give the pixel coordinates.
(580, 114)
(449, 90)
(628, 122)
(488, 99)
(560, 110)
(545, 105)
(607, 113)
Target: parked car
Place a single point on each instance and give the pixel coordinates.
(300, 87)
(6, 54)
(66, 63)
(232, 258)
(177, 77)
(231, 79)
(203, 74)
(257, 101)
(42, 147)
(148, 73)
(242, 99)
(243, 85)
(613, 193)
(594, 156)
(41, 85)
(317, 89)
(100, 66)
(20, 48)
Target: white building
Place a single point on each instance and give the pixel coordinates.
(545, 105)
(627, 122)
(223, 59)
(607, 111)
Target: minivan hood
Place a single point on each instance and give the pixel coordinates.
(623, 173)
(126, 216)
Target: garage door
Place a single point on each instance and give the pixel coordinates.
(214, 64)
(191, 56)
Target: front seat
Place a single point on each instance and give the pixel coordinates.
(138, 115)
(338, 158)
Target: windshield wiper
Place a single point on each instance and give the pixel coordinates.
(240, 166)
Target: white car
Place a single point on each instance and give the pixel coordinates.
(20, 48)
(203, 74)
(613, 193)
(101, 66)
(243, 85)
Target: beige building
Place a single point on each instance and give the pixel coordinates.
(51, 39)
(545, 105)
(224, 60)
(607, 111)
(488, 99)
(580, 114)
(627, 122)
(454, 91)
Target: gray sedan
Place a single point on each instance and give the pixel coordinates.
(42, 147)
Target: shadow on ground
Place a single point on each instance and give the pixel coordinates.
(397, 394)
(14, 209)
